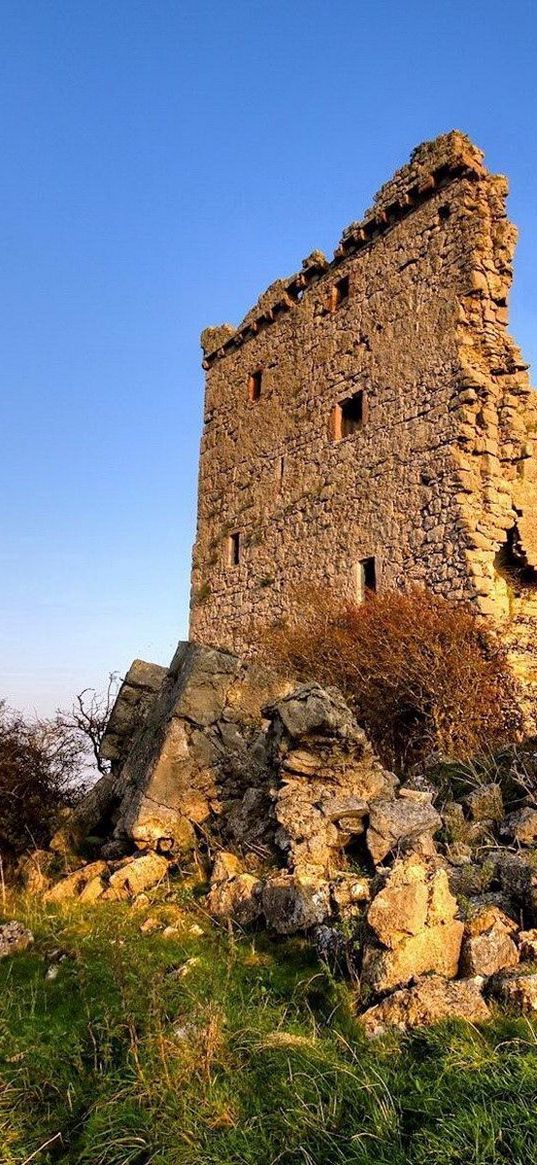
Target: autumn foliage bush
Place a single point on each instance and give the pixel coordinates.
(423, 675)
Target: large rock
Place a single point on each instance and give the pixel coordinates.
(184, 743)
(14, 938)
(402, 824)
(139, 874)
(293, 902)
(488, 944)
(97, 812)
(430, 1000)
(435, 948)
(516, 990)
(311, 711)
(142, 682)
(170, 776)
(413, 927)
(237, 898)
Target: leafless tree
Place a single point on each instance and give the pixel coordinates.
(89, 716)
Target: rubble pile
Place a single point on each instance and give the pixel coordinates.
(275, 796)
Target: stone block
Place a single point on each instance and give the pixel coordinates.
(431, 1000)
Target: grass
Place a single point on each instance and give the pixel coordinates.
(217, 1049)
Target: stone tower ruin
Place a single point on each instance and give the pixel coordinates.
(370, 422)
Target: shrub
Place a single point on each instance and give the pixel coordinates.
(425, 678)
(40, 774)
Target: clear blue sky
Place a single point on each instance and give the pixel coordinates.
(162, 161)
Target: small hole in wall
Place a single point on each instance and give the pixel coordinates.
(512, 565)
(295, 292)
(444, 212)
(234, 549)
(255, 381)
(357, 854)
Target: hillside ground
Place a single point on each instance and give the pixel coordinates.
(197, 1046)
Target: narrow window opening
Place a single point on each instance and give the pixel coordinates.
(234, 549)
(254, 384)
(366, 579)
(348, 416)
(340, 292)
(444, 212)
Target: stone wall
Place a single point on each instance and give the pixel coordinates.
(430, 473)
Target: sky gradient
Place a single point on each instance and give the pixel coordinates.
(162, 162)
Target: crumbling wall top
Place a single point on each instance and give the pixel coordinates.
(432, 165)
(429, 162)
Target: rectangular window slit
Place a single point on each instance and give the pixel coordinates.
(366, 580)
(234, 549)
(254, 384)
(348, 416)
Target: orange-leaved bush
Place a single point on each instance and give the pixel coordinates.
(424, 676)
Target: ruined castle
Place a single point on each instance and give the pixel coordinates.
(369, 424)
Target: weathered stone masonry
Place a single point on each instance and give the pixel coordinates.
(428, 476)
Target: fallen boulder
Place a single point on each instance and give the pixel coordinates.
(428, 1001)
(182, 741)
(237, 898)
(293, 902)
(142, 682)
(516, 990)
(136, 875)
(488, 944)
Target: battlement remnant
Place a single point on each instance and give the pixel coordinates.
(370, 422)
